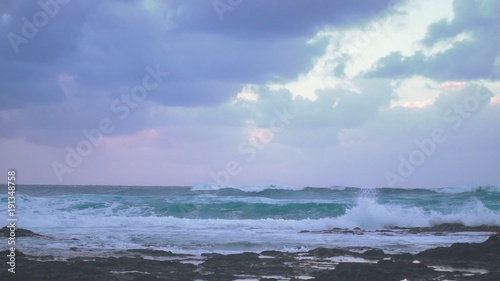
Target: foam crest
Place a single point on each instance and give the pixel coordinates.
(467, 189)
(262, 187)
(244, 188)
(474, 213)
(368, 214)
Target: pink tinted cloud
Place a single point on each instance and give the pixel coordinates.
(148, 136)
(418, 104)
(495, 100)
(452, 86)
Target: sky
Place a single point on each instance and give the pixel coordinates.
(237, 92)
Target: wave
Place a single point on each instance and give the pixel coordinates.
(369, 214)
(245, 188)
(366, 213)
(467, 189)
(264, 187)
(356, 217)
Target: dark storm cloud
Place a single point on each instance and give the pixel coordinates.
(108, 44)
(105, 47)
(261, 19)
(50, 36)
(29, 66)
(23, 84)
(472, 58)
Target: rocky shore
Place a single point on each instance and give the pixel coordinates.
(460, 261)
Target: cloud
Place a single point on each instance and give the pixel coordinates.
(473, 57)
(103, 48)
(107, 45)
(228, 79)
(264, 20)
(454, 110)
(469, 16)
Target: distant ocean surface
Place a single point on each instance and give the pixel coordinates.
(227, 219)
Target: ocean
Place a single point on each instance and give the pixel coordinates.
(207, 218)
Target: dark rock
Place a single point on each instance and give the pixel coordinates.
(483, 255)
(224, 267)
(154, 253)
(388, 270)
(451, 227)
(322, 252)
(20, 232)
(492, 241)
(350, 271)
(272, 253)
(373, 254)
(209, 255)
(18, 253)
(355, 231)
(490, 276)
(403, 257)
(77, 269)
(219, 267)
(405, 269)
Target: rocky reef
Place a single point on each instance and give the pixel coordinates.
(460, 261)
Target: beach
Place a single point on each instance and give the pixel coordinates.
(246, 233)
(460, 261)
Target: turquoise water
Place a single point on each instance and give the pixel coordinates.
(214, 218)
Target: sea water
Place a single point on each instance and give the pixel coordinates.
(97, 220)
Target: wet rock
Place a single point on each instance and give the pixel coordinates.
(322, 252)
(384, 270)
(292, 266)
(155, 253)
(490, 276)
(482, 255)
(272, 253)
(20, 232)
(373, 254)
(403, 257)
(120, 269)
(6, 252)
(451, 227)
(225, 267)
(338, 230)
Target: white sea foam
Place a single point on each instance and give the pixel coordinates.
(367, 213)
(103, 221)
(262, 187)
(245, 188)
(466, 189)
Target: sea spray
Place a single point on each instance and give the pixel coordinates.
(246, 218)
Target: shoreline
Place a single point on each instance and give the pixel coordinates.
(460, 261)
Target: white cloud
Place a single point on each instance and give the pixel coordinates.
(415, 92)
(249, 93)
(444, 45)
(356, 49)
(347, 128)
